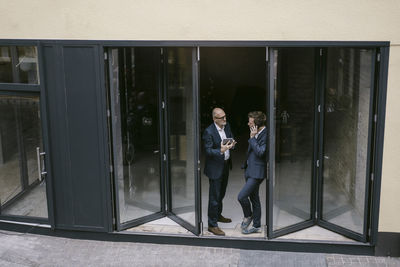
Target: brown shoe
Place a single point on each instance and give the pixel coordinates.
(223, 219)
(216, 230)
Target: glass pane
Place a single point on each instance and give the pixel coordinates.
(21, 191)
(135, 125)
(347, 108)
(5, 65)
(294, 119)
(181, 132)
(27, 65)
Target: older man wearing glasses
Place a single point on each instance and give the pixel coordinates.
(218, 140)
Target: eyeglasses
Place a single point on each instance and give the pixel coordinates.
(221, 118)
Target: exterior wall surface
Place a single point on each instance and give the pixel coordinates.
(389, 218)
(287, 20)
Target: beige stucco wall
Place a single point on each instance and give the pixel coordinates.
(341, 20)
(390, 192)
(202, 20)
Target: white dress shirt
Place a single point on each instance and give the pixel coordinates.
(222, 134)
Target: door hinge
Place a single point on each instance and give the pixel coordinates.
(319, 108)
(372, 177)
(163, 105)
(164, 157)
(198, 165)
(114, 221)
(316, 214)
(375, 118)
(369, 231)
(378, 57)
(111, 169)
(105, 55)
(318, 163)
(108, 113)
(166, 207)
(320, 52)
(266, 54)
(198, 53)
(162, 54)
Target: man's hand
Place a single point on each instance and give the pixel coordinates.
(253, 131)
(227, 146)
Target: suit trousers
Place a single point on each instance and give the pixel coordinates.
(251, 190)
(215, 196)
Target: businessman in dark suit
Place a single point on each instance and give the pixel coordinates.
(255, 172)
(217, 165)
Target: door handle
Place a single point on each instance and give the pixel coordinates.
(41, 170)
(156, 151)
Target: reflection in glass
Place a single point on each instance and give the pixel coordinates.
(181, 132)
(5, 65)
(347, 102)
(18, 64)
(21, 192)
(294, 118)
(27, 65)
(135, 125)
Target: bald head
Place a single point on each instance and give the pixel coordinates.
(217, 111)
(219, 117)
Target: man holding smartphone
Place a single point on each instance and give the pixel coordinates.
(218, 140)
(255, 172)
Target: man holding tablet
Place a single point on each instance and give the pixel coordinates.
(218, 140)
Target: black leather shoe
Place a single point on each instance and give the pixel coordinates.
(223, 219)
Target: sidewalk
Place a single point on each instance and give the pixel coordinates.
(19, 249)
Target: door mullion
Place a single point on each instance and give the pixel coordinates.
(271, 73)
(320, 134)
(166, 155)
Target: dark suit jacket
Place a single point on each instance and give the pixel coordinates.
(214, 159)
(257, 157)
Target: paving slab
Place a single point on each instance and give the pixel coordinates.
(25, 249)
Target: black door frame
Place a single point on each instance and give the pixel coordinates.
(370, 151)
(197, 228)
(381, 73)
(271, 157)
(39, 90)
(115, 192)
(317, 179)
(165, 181)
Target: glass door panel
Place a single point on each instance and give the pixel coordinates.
(134, 98)
(293, 85)
(182, 127)
(22, 189)
(347, 119)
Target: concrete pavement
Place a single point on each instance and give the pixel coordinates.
(25, 249)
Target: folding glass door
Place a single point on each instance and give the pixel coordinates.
(152, 99)
(23, 185)
(321, 139)
(292, 139)
(345, 145)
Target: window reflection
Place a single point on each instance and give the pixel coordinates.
(135, 125)
(347, 109)
(181, 132)
(6, 75)
(21, 191)
(27, 64)
(294, 118)
(19, 64)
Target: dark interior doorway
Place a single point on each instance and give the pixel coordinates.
(234, 79)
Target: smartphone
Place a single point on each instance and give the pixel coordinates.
(227, 140)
